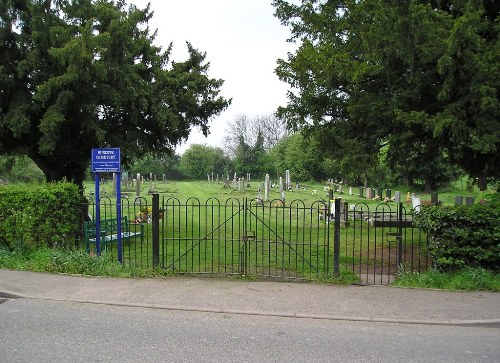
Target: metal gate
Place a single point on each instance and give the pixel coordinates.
(361, 243)
(246, 237)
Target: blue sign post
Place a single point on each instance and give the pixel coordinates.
(107, 160)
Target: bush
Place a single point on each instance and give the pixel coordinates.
(462, 236)
(34, 215)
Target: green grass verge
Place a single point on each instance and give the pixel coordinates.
(71, 262)
(79, 262)
(469, 279)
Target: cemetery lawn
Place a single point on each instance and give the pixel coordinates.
(309, 192)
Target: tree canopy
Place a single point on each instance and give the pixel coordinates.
(79, 74)
(414, 81)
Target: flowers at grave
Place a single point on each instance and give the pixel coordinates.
(144, 214)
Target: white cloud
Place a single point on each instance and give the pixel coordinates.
(243, 41)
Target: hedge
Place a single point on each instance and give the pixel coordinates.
(463, 235)
(33, 215)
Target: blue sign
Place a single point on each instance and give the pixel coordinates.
(106, 160)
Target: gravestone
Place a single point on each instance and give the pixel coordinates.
(114, 183)
(281, 184)
(397, 197)
(350, 191)
(434, 198)
(369, 193)
(138, 185)
(151, 188)
(361, 192)
(388, 193)
(415, 202)
(469, 200)
(459, 200)
(380, 193)
(288, 181)
(266, 188)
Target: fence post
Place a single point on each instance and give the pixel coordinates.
(336, 239)
(156, 229)
(400, 236)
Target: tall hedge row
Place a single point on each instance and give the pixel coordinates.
(33, 215)
(463, 235)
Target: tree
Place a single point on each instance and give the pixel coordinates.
(370, 74)
(166, 164)
(271, 128)
(19, 168)
(299, 155)
(81, 74)
(471, 88)
(200, 160)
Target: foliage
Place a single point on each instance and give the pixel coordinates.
(471, 279)
(200, 160)
(19, 169)
(39, 214)
(463, 235)
(414, 76)
(81, 74)
(251, 158)
(168, 165)
(300, 156)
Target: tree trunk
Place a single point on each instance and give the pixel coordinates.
(428, 185)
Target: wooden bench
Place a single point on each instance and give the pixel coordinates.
(109, 232)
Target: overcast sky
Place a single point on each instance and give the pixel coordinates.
(243, 41)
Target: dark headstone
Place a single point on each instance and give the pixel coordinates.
(469, 200)
(459, 200)
(388, 193)
(434, 198)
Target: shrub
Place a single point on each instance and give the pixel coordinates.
(34, 215)
(463, 235)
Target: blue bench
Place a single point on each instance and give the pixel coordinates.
(109, 232)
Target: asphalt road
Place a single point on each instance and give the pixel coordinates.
(37, 330)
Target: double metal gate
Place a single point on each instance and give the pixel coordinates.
(292, 241)
(359, 243)
(244, 237)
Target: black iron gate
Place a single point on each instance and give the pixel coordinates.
(360, 243)
(246, 237)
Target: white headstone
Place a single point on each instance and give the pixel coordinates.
(266, 188)
(138, 185)
(397, 197)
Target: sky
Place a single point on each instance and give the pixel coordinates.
(243, 41)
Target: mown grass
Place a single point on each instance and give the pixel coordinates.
(309, 192)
